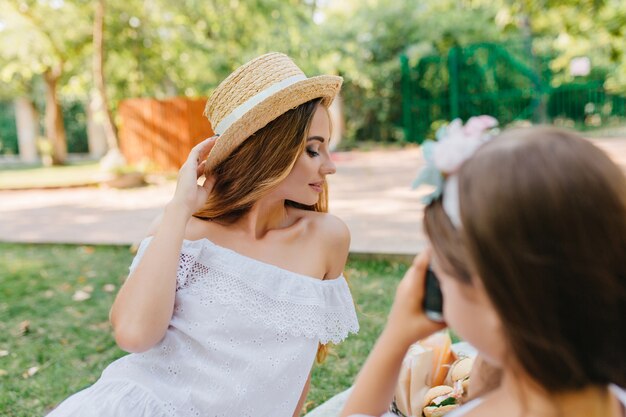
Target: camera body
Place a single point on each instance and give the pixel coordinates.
(433, 299)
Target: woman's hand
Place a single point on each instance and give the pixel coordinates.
(407, 321)
(189, 194)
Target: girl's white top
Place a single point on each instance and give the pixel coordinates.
(241, 342)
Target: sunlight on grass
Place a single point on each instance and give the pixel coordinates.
(41, 177)
(52, 344)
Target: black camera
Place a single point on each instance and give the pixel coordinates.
(433, 299)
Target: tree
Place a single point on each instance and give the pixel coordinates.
(571, 28)
(364, 41)
(187, 47)
(99, 77)
(44, 50)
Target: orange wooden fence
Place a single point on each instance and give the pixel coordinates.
(162, 131)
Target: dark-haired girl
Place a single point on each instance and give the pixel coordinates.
(528, 240)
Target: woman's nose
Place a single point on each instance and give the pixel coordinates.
(329, 168)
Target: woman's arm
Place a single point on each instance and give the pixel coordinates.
(144, 305)
(375, 385)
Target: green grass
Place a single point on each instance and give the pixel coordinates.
(83, 173)
(70, 341)
(373, 285)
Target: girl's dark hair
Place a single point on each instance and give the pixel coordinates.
(544, 228)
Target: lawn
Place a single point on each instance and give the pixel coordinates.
(75, 174)
(55, 338)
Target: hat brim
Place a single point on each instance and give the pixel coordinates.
(325, 87)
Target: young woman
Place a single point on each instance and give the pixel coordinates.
(529, 244)
(241, 279)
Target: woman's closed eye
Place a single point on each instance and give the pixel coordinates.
(312, 152)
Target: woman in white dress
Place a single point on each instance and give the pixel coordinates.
(239, 284)
(528, 241)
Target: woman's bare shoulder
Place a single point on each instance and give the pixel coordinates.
(334, 236)
(327, 224)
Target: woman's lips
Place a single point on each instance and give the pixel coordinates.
(317, 186)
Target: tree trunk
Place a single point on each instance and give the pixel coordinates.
(55, 131)
(98, 75)
(96, 136)
(26, 119)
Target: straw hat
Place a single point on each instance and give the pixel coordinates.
(257, 93)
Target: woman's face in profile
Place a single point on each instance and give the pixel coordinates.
(468, 311)
(305, 182)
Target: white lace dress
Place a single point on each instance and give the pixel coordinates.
(241, 342)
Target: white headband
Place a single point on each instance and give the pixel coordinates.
(451, 200)
(249, 104)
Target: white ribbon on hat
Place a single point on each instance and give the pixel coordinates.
(249, 104)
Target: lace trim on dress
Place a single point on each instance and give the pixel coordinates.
(294, 304)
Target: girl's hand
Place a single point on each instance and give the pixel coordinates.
(189, 194)
(376, 383)
(407, 321)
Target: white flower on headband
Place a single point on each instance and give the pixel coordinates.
(455, 144)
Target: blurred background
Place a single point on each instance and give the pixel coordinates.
(81, 79)
(111, 92)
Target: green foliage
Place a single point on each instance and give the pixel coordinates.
(38, 36)
(368, 41)
(162, 48)
(592, 28)
(69, 342)
(75, 120)
(188, 47)
(8, 129)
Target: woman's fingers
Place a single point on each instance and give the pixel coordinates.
(201, 151)
(208, 184)
(421, 261)
(198, 154)
(413, 280)
(420, 266)
(200, 169)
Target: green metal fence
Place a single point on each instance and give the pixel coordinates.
(509, 81)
